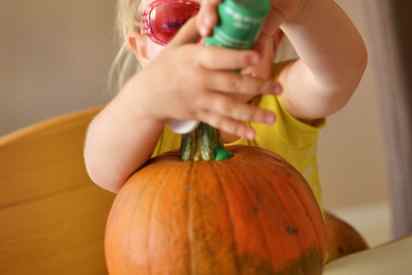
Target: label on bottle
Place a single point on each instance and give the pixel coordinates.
(240, 22)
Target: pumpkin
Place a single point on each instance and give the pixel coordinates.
(342, 238)
(252, 213)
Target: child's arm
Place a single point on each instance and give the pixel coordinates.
(332, 54)
(332, 61)
(186, 81)
(119, 140)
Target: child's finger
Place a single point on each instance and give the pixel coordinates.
(234, 83)
(187, 34)
(271, 25)
(225, 106)
(265, 48)
(227, 124)
(207, 18)
(219, 58)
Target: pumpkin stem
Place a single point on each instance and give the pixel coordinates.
(203, 143)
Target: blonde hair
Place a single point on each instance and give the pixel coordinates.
(125, 64)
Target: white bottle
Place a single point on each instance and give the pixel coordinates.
(183, 126)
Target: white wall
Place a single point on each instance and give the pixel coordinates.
(351, 150)
(54, 57)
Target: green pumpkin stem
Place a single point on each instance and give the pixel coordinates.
(203, 143)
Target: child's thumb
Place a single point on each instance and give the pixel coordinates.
(187, 34)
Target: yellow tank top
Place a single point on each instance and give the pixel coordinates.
(288, 137)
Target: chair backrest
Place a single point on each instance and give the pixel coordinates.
(52, 217)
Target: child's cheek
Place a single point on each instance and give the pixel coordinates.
(153, 49)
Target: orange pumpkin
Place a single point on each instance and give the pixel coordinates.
(250, 214)
(342, 238)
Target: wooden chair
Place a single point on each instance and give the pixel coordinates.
(52, 217)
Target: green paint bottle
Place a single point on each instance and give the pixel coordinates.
(240, 22)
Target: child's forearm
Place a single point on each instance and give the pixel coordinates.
(119, 140)
(332, 53)
(326, 41)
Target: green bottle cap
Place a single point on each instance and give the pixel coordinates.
(240, 22)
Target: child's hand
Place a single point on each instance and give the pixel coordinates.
(282, 11)
(332, 56)
(190, 81)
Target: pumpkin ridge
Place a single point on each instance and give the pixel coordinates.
(306, 257)
(317, 233)
(187, 204)
(282, 206)
(292, 190)
(146, 184)
(159, 194)
(115, 206)
(189, 220)
(152, 205)
(291, 187)
(322, 244)
(289, 218)
(291, 167)
(229, 217)
(200, 221)
(262, 231)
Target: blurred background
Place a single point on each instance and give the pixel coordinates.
(55, 57)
